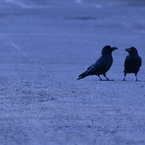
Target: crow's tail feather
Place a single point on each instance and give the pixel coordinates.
(83, 75)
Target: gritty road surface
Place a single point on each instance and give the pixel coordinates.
(44, 46)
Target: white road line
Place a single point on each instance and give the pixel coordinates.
(92, 5)
(15, 45)
(18, 48)
(97, 6)
(78, 1)
(25, 6)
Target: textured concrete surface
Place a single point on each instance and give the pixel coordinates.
(44, 46)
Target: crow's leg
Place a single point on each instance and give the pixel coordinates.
(100, 77)
(124, 77)
(136, 77)
(106, 77)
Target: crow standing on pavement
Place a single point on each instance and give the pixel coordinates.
(132, 62)
(102, 65)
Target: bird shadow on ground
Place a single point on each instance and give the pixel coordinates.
(133, 81)
(106, 80)
(112, 80)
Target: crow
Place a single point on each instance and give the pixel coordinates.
(132, 62)
(102, 65)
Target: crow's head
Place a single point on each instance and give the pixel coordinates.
(108, 49)
(132, 51)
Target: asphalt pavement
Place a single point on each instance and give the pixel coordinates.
(44, 46)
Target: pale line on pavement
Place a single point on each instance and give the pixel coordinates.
(78, 1)
(97, 6)
(18, 48)
(15, 45)
(23, 5)
(92, 5)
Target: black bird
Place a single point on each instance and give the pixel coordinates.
(102, 65)
(132, 62)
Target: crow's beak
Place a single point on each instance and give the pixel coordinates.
(127, 49)
(114, 48)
